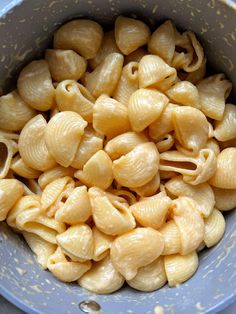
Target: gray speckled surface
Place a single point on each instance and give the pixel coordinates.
(24, 32)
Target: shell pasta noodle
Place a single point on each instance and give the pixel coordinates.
(118, 155)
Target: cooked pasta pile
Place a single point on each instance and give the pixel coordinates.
(118, 156)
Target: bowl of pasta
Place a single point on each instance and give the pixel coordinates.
(118, 156)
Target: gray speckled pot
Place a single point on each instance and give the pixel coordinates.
(25, 30)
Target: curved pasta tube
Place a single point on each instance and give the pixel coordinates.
(102, 278)
(76, 209)
(162, 41)
(32, 146)
(144, 107)
(10, 192)
(149, 188)
(35, 86)
(14, 112)
(225, 199)
(8, 148)
(63, 134)
(105, 77)
(102, 244)
(164, 124)
(226, 128)
(225, 174)
(154, 72)
(150, 277)
(136, 55)
(172, 240)
(65, 64)
(41, 248)
(77, 242)
(97, 171)
(54, 173)
(137, 167)
(184, 93)
(130, 34)
(108, 46)
(66, 270)
(110, 117)
(151, 212)
(124, 143)
(83, 36)
(201, 193)
(191, 128)
(91, 142)
(180, 268)
(127, 84)
(166, 143)
(22, 169)
(72, 96)
(136, 249)
(213, 92)
(214, 228)
(190, 223)
(111, 213)
(53, 190)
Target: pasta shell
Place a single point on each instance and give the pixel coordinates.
(55, 173)
(145, 106)
(77, 208)
(130, 34)
(225, 174)
(31, 187)
(35, 86)
(63, 135)
(150, 277)
(151, 213)
(72, 96)
(22, 169)
(213, 92)
(91, 142)
(110, 117)
(124, 143)
(104, 79)
(127, 195)
(137, 167)
(201, 193)
(149, 188)
(102, 244)
(135, 249)
(136, 55)
(32, 146)
(180, 268)
(14, 112)
(7, 150)
(127, 84)
(41, 248)
(53, 190)
(225, 199)
(77, 242)
(10, 191)
(166, 143)
(97, 171)
(197, 75)
(214, 228)
(191, 128)
(102, 278)
(65, 64)
(9, 135)
(65, 270)
(81, 35)
(213, 145)
(154, 72)
(190, 223)
(226, 128)
(166, 175)
(164, 124)
(108, 46)
(162, 42)
(111, 213)
(171, 236)
(184, 93)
